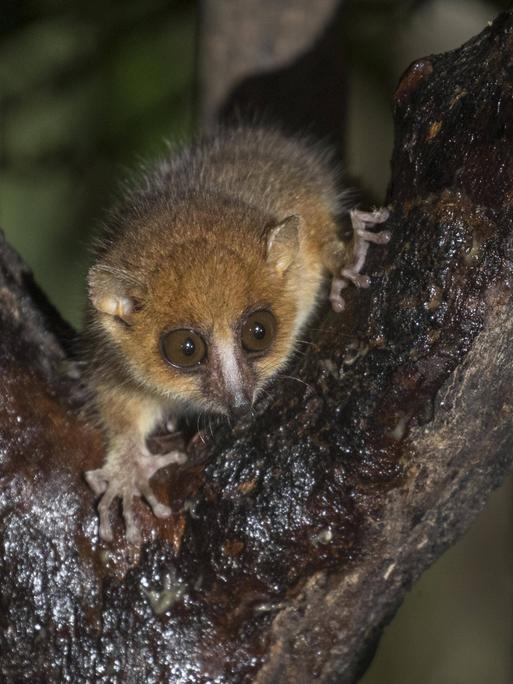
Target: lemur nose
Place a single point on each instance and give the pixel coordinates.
(240, 405)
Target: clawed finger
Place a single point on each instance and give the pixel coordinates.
(133, 534)
(172, 457)
(103, 512)
(380, 238)
(159, 509)
(358, 279)
(370, 217)
(96, 480)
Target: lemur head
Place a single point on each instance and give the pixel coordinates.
(204, 316)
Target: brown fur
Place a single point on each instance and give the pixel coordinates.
(188, 247)
(242, 221)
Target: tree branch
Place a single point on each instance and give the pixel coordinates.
(297, 533)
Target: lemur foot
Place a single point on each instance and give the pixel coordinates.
(126, 479)
(360, 220)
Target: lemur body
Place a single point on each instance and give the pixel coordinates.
(207, 272)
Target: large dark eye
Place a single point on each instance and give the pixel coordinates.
(183, 348)
(258, 331)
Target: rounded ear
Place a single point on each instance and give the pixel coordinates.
(113, 291)
(283, 243)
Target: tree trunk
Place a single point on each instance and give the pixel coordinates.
(295, 534)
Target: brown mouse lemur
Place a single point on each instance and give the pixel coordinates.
(204, 276)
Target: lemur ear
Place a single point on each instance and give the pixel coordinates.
(114, 292)
(283, 243)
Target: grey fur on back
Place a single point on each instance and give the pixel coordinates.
(260, 166)
(255, 166)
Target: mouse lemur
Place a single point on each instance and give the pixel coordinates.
(204, 277)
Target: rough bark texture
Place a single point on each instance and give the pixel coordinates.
(295, 534)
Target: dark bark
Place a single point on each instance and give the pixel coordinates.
(296, 534)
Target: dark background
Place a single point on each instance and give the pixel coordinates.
(89, 89)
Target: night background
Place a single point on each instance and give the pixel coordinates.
(90, 89)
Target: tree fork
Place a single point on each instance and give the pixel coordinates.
(295, 534)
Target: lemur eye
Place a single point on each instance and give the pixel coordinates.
(258, 331)
(183, 348)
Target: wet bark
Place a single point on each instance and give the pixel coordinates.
(295, 534)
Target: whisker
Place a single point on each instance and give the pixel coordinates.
(262, 389)
(291, 377)
(200, 430)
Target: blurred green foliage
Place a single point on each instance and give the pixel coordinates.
(86, 90)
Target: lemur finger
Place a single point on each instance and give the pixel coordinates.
(370, 217)
(96, 480)
(336, 299)
(159, 509)
(133, 534)
(380, 238)
(104, 513)
(356, 278)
